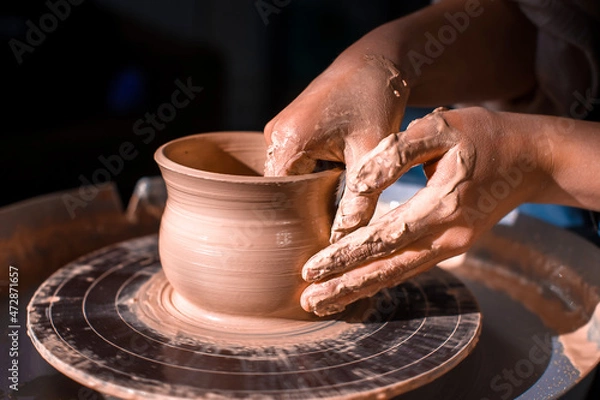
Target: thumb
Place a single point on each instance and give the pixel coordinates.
(354, 209)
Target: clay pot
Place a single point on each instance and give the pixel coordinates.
(231, 240)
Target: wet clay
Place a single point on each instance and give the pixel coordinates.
(582, 346)
(159, 307)
(385, 243)
(231, 241)
(112, 322)
(84, 322)
(392, 157)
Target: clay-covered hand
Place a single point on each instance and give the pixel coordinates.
(339, 117)
(479, 165)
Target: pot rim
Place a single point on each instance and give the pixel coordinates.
(165, 162)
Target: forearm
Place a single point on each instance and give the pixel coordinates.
(458, 51)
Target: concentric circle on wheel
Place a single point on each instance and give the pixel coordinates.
(109, 321)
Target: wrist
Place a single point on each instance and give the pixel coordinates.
(573, 172)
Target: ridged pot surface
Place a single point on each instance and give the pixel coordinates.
(232, 241)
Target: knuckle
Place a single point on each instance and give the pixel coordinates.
(415, 123)
(426, 123)
(458, 240)
(476, 113)
(285, 124)
(287, 132)
(268, 129)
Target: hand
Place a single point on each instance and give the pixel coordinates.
(339, 117)
(479, 164)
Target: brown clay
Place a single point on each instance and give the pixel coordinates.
(232, 241)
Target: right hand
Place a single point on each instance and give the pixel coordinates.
(480, 165)
(339, 117)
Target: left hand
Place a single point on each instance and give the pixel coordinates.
(479, 164)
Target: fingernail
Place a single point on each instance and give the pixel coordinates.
(336, 235)
(344, 224)
(329, 309)
(358, 185)
(309, 275)
(310, 272)
(314, 300)
(314, 274)
(305, 301)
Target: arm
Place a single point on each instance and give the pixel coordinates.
(458, 51)
(575, 165)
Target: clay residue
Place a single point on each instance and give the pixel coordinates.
(578, 332)
(389, 235)
(392, 157)
(160, 308)
(550, 309)
(397, 85)
(582, 346)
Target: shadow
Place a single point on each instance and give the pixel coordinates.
(535, 285)
(89, 88)
(434, 293)
(513, 352)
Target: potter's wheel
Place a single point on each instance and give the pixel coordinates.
(108, 321)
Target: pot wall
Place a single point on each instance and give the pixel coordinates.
(232, 243)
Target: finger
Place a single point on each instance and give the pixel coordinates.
(385, 164)
(424, 141)
(390, 233)
(427, 212)
(355, 209)
(332, 296)
(294, 150)
(268, 130)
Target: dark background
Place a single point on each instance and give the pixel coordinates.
(76, 95)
